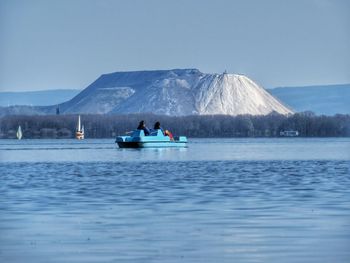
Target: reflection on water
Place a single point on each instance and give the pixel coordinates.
(198, 150)
(61, 203)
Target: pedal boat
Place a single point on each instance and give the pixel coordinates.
(156, 139)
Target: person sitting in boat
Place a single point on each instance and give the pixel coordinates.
(143, 127)
(168, 133)
(157, 127)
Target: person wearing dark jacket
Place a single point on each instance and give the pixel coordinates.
(143, 127)
(157, 127)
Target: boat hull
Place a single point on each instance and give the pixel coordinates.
(152, 144)
(79, 135)
(155, 140)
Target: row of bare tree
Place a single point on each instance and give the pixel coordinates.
(106, 126)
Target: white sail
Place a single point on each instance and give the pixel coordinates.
(19, 132)
(82, 129)
(78, 125)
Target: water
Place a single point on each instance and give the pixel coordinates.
(222, 200)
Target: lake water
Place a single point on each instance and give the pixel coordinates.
(219, 200)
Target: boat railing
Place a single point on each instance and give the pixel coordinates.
(138, 133)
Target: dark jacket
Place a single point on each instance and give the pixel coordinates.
(143, 127)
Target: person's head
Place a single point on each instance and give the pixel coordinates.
(141, 125)
(157, 125)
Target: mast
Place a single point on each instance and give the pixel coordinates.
(78, 126)
(79, 134)
(19, 133)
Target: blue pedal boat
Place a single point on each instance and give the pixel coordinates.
(156, 139)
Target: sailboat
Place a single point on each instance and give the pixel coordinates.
(79, 134)
(19, 133)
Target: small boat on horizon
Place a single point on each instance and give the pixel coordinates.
(156, 139)
(19, 133)
(79, 134)
(289, 133)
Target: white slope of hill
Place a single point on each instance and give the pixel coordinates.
(234, 95)
(329, 99)
(174, 92)
(171, 92)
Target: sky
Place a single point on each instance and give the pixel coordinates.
(67, 44)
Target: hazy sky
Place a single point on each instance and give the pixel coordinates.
(69, 43)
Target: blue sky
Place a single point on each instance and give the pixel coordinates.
(68, 44)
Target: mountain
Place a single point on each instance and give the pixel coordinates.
(37, 98)
(174, 92)
(168, 92)
(178, 92)
(325, 99)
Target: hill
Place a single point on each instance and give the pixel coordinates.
(174, 92)
(325, 99)
(37, 98)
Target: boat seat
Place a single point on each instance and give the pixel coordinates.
(138, 133)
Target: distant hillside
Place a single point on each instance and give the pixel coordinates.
(37, 98)
(174, 92)
(327, 99)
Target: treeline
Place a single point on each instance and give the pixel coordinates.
(107, 126)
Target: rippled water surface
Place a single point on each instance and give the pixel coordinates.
(222, 200)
